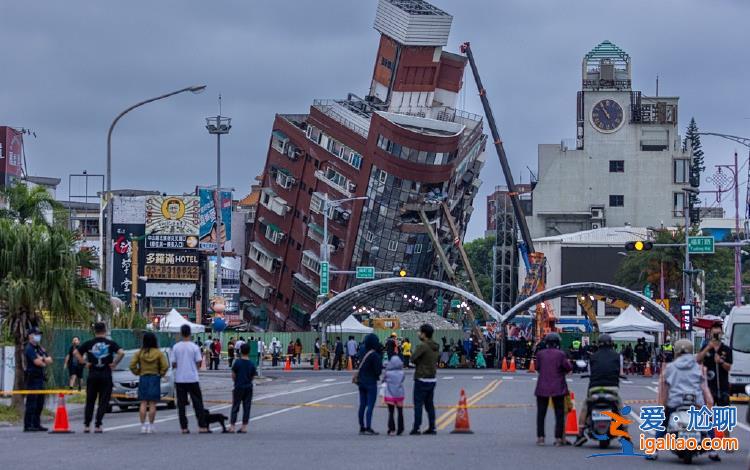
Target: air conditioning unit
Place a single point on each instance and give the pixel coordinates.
(352, 187)
(596, 225)
(597, 213)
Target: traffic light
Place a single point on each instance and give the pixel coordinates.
(639, 246)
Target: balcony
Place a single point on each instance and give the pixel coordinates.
(271, 201)
(321, 175)
(305, 287)
(336, 111)
(259, 286)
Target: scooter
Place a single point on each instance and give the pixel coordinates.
(678, 426)
(580, 365)
(597, 423)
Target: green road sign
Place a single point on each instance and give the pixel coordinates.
(701, 245)
(440, 302)
(455, 303)
(365, 272)
(324, 288)
(648, 291)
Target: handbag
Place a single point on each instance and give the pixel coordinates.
(355, 377)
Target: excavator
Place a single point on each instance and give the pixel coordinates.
(535, 262)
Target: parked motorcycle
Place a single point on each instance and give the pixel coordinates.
(678, 426)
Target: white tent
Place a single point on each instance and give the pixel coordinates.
(632, 336)
(174, 320)
(350, 325)
(631, 320)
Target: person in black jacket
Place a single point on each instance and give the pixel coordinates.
(367, 380)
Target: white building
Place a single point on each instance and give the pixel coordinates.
(626, 167)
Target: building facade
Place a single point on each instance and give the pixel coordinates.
(627, 165)
(404, 147)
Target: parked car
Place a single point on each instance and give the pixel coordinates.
(125, 384)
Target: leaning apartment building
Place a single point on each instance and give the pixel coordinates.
(402, 145)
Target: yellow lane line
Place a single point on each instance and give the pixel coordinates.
(444, 420)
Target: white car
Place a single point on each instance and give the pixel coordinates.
(125, 383)
(737, 335)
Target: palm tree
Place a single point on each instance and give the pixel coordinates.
(40, 282)
(27, 204)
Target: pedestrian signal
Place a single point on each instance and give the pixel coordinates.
(639, 246)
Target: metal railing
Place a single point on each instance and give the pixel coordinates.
(326, 106)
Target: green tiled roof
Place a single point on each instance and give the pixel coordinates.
(607, 50)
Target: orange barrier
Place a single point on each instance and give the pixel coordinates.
(62, 426)
(512, 367)
(571, 421)
(316, 365)
(647, 372)
(462, 417)
(288, 364)
(349, 364)
(504, 367)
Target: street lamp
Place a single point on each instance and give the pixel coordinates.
(106, 281)
(218, 126)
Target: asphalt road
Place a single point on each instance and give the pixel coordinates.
(307, 420)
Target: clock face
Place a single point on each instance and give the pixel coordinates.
(607, 115)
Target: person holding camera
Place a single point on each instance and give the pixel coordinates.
(716, 357)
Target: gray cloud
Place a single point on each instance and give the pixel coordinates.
(69, 67)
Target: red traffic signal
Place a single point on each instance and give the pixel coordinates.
(639, 246)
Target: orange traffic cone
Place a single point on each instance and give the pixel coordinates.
(532, 366)
(462, 417)
(504, 367)
(61, 417)
(647, 371)
(288, 364)
(512, 367)
(571, 421)
(718, 434)
(349, 364)
(316, 365)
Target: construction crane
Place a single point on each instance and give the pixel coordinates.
(534, 262)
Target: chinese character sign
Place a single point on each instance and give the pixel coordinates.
(209, 231)
(172, 265)
(177, 215)
(122, 259)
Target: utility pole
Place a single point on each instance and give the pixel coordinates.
(218, 126)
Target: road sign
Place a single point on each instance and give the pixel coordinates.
(701, 245)
(648, 291)
(455, 303)
(440, 302)
(324, 288)
(365, 272)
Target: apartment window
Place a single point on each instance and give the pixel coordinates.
(678, 204)
(337, 178)
(617, 166)
(355, 160)
(418, 248)
(284, 179)
(386, 63)
(369, 236)
(616, 200)
(279, 141)
(382, 176)
(316, 205)
(274, 234)
(313, 133)
(310, 261)
(265, 199)
(392, 245)
(568, 306)
(681, 171)
(335, 147)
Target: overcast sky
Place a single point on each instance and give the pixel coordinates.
(67, 68)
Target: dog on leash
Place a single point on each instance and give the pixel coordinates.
(215, 418)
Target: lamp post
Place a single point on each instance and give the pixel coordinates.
(106, 268)
(218, 125)
(687, 276)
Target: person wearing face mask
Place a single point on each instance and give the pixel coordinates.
(36, 361)
(716, 357)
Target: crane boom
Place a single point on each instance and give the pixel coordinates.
(512, 191)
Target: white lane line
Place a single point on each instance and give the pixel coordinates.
(570, 381)
(478, 377)
(506, 377)
(448, 378)
(653, 389)
(655, 382)
(299, 381)
(296, 407)
(626, 381)
(224, 407)
(534, 379)
(329, 380)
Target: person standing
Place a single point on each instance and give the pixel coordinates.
(316, 350)
(406, 352)
(351, 351)
(102, 355)
(641, 355)
(261, 352)
(394, 394)
(391, 346)
(216, 353)
(230, 352)
(298, 351)
(716, 357)
(75, 368)
(275, 351)
(367, 378)
(425, 359)
(186, 359)
(338, 353)
(207, 346)
(325, 353)
(243, 373)
(552, 365)
(36, 361)
(150, 364)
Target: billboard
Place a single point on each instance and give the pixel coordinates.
(172, 215)
(170, 265)
(230, 282)
(171, 242)
(122, 260)
(11, 154)
(208, 230)
(129, 210)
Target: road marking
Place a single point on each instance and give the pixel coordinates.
(445, 418)
(448, 378)
(299, 381)
(627, 381)
(296, 407)
(504, 377)
(534, 379)
(570, 381)
(653, 389)
(329, 380)
(655, 382)
(224, 407)
(478, 377)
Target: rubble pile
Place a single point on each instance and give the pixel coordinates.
(412, 320)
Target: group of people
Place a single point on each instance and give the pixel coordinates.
(340, 353)
(100, 355)
(369, 377)
(704, 376)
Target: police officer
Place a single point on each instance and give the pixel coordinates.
(36, 361)
(667, 351)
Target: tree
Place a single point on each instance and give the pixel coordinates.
(28, 204)
(697, 166)
(479, 252)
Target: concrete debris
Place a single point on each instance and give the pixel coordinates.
(412, 320)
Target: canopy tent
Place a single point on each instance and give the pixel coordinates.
(349, 325)
(631, 320)
(172, 322)
(632, 336)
